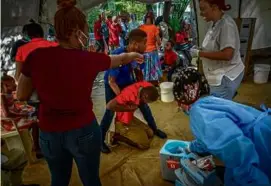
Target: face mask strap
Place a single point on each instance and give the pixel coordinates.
(85, 47)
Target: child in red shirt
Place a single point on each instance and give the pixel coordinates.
(114, 33)
(170, 59)
(128, 128)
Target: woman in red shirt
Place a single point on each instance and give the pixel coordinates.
(63, 79)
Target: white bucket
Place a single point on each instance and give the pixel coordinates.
(167, 92)
(261, 73)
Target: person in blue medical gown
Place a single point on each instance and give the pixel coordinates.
(239, 135)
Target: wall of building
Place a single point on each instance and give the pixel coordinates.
(260, 9)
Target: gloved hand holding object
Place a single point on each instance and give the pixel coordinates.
(183, 150)
(196, 170)
(194, 51)
(205, 163)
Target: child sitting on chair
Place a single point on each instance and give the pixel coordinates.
(129, 129)
(170, 59)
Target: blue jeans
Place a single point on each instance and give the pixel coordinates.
(109, 115)
(82, 145)
(228, 88)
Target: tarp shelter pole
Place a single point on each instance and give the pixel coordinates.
(239, 8)
(196, 19)
(166, 12)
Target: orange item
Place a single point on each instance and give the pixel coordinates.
(152, 32)
(35, 43)
(127, 96)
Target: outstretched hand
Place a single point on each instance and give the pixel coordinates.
(139, 58)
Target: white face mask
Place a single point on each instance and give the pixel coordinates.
(84, 46)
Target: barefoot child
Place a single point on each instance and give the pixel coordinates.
(128, 128)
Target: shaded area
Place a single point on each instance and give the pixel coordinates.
(18, 12)
(128, 166)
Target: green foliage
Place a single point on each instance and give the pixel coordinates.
(92, 17)
(129, 6)
(179, 7)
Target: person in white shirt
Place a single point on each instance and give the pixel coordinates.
(220, 53)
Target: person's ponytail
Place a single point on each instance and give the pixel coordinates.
(220, 4)
(226, 7)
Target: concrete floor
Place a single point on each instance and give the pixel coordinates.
(126, 166)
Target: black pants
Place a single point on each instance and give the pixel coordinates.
(107, 41)
(100, 45)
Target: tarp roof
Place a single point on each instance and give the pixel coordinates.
(18, 12)
(86, 4)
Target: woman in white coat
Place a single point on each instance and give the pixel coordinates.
(220, 54)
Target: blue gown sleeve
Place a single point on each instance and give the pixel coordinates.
(198, 147)
(220, 136)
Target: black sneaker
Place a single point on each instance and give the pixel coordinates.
(105, 149)
(160, 134)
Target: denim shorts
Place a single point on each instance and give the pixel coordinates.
(228, 88)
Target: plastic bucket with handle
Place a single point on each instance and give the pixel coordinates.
(167, 92)
(261, 73)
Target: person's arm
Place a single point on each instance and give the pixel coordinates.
(157, 36)
(225, 54)
(228, 41)
(198, 147)
(19, 63)
(25, 88)
(175, 63)
(116, 107)
(113, 85)
(219, 135)
(158, 40)
(125, 58)
(19, 66)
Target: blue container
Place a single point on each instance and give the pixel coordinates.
(178, 183)
(171, 152)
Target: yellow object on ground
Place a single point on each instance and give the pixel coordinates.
(136, 133)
